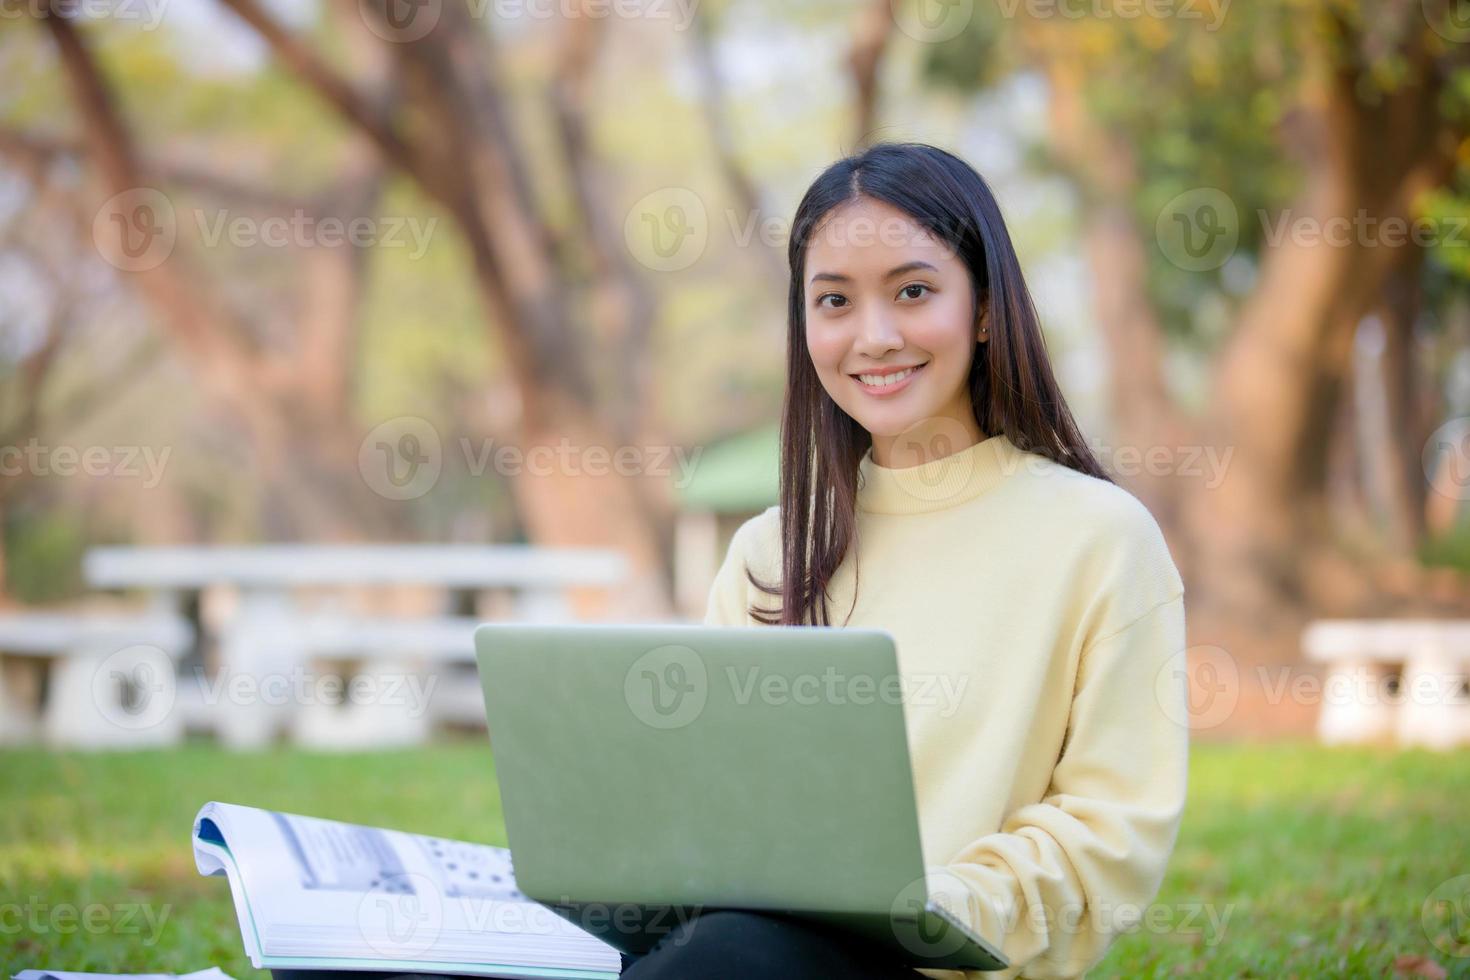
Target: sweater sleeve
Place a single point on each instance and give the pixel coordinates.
(1064, 876)
(728, 603)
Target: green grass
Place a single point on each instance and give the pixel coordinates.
(1317, 861)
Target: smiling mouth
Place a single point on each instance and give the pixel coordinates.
(893, 379)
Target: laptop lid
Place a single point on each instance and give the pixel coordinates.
(688, 766)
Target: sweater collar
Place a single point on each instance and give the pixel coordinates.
(939, 483)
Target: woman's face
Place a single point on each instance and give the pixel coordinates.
(886, 300)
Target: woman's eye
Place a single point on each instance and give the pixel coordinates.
(906, 291)
(827, 296)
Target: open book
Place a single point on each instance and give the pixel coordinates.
(320, 895)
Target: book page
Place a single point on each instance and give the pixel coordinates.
(213, 973)
(310, 889)
(347, 857)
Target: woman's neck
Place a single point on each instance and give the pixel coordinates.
(927, 441)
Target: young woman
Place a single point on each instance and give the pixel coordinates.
(935, 485)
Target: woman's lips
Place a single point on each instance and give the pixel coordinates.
(889, 390)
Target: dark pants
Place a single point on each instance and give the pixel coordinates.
(731, 946)
(745, 945)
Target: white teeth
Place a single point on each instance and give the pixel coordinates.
(884, 380)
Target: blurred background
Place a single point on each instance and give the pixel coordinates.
(330, 328)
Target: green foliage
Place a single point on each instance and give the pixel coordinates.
(979, 57)
(1446, 210)
(1451, 549)
(1205, 102)
(43, 555)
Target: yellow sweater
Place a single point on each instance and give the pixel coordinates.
(1041, 612)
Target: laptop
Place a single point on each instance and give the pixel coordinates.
(652, 772)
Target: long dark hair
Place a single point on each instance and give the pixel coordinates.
(1012, 389)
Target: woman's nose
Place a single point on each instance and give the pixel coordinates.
(877, 333)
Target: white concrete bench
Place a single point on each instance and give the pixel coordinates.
(1405, 681)
(268, 637)
(403, 677)
(89, 680)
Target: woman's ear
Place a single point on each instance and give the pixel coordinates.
(982, 333)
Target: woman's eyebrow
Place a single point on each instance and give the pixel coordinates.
(897, 270)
